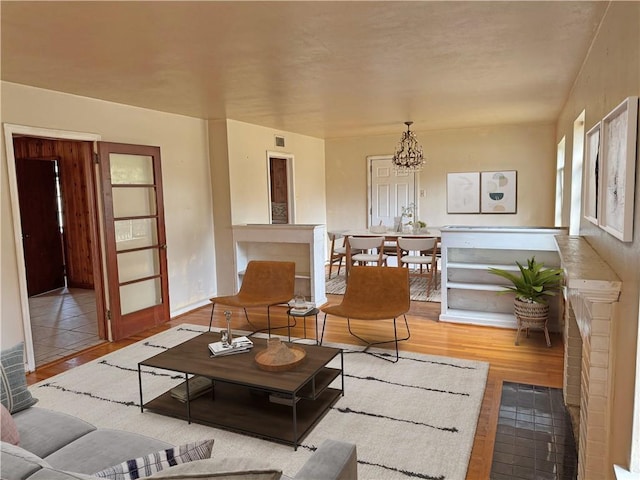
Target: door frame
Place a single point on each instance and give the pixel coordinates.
(291, 204)
(9, 131)
(416, 183)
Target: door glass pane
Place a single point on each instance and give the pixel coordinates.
(138, 264)
(137, 296)
(133, 201)
(135, 233)
(128, 169)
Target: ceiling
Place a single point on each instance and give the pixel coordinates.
(325, 69)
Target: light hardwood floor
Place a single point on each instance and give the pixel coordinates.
(531, 362)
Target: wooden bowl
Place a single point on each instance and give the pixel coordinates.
(264, 361)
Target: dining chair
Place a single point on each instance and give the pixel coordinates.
(372, 294)
(338, 250)
(420, 252)
(365, 250)
(264, 284)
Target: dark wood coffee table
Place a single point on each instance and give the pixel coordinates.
(242, 398)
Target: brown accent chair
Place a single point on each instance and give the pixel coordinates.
(420, 252)
(374, 293)
(264, 284)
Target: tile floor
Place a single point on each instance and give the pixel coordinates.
(535, 436)
(63, 322)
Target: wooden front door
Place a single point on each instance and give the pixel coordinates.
(135, 237)
(41, 236)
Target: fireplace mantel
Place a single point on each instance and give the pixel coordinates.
(592, 290)
(585, 272)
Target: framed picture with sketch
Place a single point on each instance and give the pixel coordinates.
(616, 196)
(463, 192)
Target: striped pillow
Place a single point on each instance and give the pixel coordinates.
(155, 462)
(14, 394)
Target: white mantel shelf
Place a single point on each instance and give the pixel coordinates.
(586, 272)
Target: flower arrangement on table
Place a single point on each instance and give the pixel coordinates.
(409, 212)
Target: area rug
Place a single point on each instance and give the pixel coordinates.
(413, 419)
(417, 286)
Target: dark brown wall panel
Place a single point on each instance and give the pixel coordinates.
(75, 169)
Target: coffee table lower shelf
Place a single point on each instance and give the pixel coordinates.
(249, 411)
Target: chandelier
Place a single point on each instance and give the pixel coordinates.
(408, 156)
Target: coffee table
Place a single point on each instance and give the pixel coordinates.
(280, 406)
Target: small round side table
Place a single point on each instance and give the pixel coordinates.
(311, 313)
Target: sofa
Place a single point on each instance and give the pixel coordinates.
(56, 446)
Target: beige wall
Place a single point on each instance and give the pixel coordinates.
(187, 191)
(610, 74)
(529, 149)
(241, 188)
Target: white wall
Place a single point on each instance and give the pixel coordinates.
(187, 191)
(529, 149)
(248, 173)
(611, 73)
(243, 166)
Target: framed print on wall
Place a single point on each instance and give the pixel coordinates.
(463, 192)
(498, 192)
(618, 137)
(592, 184)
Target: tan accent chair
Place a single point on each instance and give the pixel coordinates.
(421, 252)
(264, 284)
(365, 250)
(338, 250)
(374, 293)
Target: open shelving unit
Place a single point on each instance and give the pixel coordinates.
(470, 293)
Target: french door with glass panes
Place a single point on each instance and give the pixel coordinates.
(135, 240)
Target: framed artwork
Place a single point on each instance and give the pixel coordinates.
(463, 192)
(592, 183)
(618, 137)
(498, 192)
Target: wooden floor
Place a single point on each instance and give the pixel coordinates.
(530, 362)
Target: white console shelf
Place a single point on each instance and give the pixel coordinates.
(470, 291)
(302, 244)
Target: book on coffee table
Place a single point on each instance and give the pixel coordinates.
(198, 385)
(238, 345)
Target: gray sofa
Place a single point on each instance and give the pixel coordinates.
(57, 446)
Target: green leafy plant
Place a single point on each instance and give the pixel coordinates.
(534, 283)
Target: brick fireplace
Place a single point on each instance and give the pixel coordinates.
(591, 293)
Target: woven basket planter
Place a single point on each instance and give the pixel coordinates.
(531, 315)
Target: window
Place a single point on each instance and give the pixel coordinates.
(559, 182)
(576, 175)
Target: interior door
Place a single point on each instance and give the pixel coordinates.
(41, 236)
(390, 191)
(279, 190)
(136, 256)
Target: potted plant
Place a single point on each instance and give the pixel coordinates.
(532, 287)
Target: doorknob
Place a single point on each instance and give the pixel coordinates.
(163, 246)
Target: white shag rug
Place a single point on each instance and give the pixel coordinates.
(412, 419)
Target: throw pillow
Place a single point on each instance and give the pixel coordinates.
(155, 462)
(8, 428)
(14, 394)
